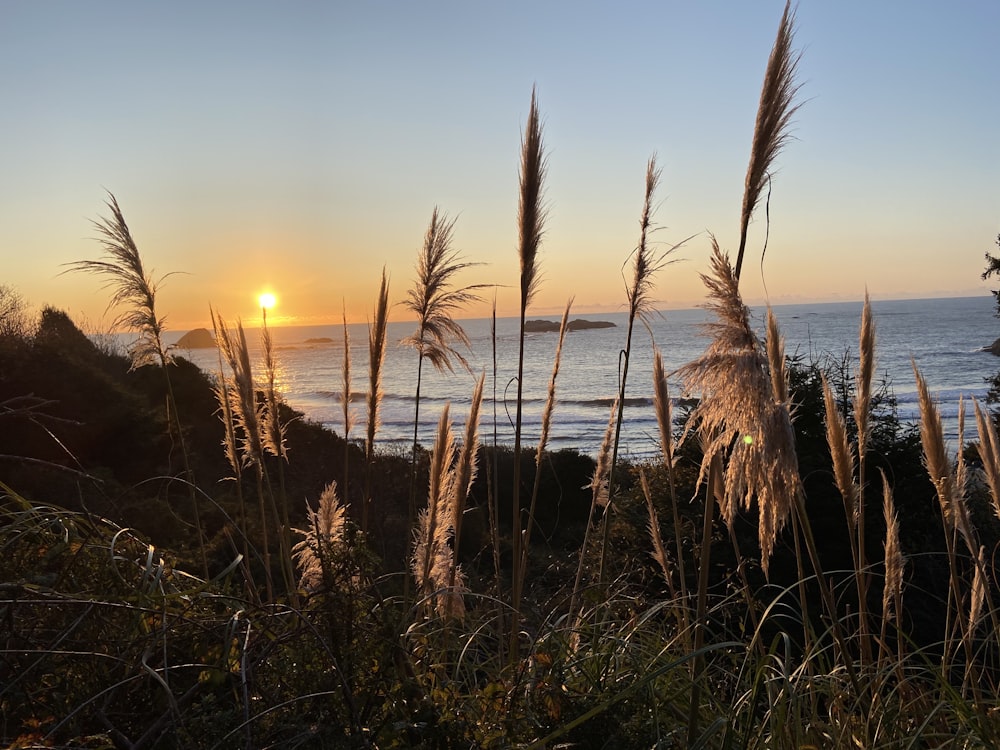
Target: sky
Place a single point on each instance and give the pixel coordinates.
(300, 147)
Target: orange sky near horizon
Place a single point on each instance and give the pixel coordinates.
(300, 149)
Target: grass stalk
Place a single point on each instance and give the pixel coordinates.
(892, 591)
(543, 440)
(376, 360)
(224, 394)
(531, 215)
(663, 408)
(862, 412)
(493, 467)
(774, 116)
(435, 300)
(345, 401)
(645, 264)
(465, 471)
(598, 499)
(134, 292)
(247, 416)
(273, 432)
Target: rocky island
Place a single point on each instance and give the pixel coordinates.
(199, 338)
(544, 326)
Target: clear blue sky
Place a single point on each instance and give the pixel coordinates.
(302, 146)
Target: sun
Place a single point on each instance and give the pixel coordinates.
(267, 300)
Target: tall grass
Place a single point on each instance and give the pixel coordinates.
(774, 117)
(435, 300)
(546, 426)
(645, 263)
(376, 359)
(657, 657)
(530, 220)
(247, 422)
(345, 400)
(273, 438)
(133, 292)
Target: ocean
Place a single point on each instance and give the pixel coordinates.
(944, 337)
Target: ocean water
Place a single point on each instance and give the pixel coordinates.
(944, 337)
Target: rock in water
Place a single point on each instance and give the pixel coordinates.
(199, 338)
(544, 326)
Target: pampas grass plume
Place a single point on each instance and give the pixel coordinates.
(659, 551)
(133, 289)
(737, 414)
(951, 496)
(989, 453)
(840, 452)
(774, 116)
(376, 359)
(866, 371)
(326, 530)
(434, 299)
(531, 213)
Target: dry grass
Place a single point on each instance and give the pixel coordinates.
(531, 212)
(738, 416)
(324, 533)
(646, 262)
(466, 466)
(530, 220)
(439, 580)
(345, 398)
(133, 289)
(659, 551)
(951, 494)
(774, 115)
(843, 458)
(435, 299)
(376, 359)
(989, 453)
(895, 563)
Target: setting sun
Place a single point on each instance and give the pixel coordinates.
(267, 300)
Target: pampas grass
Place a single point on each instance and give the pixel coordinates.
(989, 453)
(659, 551)
(521, 569)
(738, 415)
(862, 413)
(435, 300)
(530, 220)
(345, 398)
(951, 495)
(376, 359)
(273, 432)
(324, 533)
(133, 288)
(771, 131)
(432, 561)
(133, 291)
(224, 395)
(248, 418)
(664, 419)
(598, 487)
(546, 427)
(892, 591)
(434, 522)
(843, 462)
(645, 263)
(466, 468)
(531, 212)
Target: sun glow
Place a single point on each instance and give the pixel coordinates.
(267, 300)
